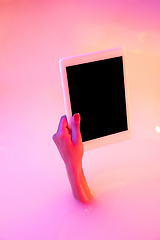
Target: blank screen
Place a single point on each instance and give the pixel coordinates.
(97, 92)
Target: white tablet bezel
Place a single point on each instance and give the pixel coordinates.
(86, 58)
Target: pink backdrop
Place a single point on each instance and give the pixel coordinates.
(36, 202)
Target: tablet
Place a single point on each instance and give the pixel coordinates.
(95, 85)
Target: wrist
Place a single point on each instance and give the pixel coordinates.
(74, 171)
(74, 166)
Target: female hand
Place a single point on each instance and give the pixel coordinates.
(70, 146)
(69, 142)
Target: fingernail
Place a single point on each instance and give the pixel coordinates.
(77, 116)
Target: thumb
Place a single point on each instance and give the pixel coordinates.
(76, 134)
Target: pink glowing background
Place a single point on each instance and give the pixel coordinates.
(36, 202)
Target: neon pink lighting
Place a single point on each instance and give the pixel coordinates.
(36, 201)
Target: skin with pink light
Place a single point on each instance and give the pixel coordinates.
(70, 146)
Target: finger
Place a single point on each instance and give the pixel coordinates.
(76, 134)
(63, 125)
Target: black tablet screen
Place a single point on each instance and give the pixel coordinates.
(97, 92)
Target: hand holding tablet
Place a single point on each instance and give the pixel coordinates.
(95, 84)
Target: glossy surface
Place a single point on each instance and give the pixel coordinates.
(35, 197)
